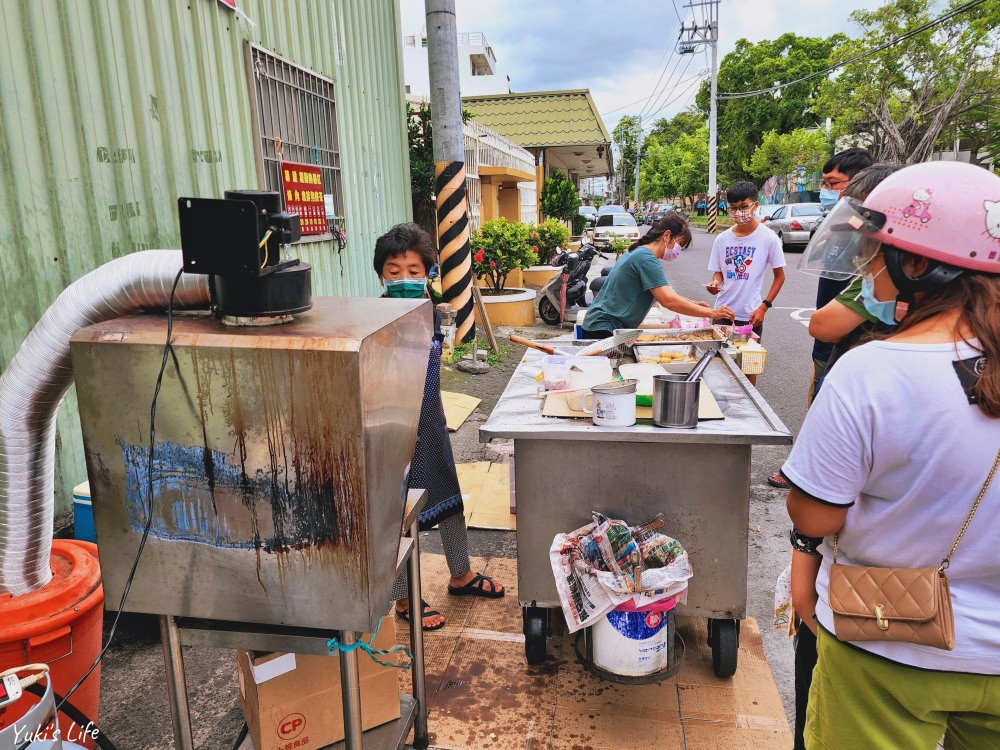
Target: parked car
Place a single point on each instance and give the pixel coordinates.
(764, 213)
(609, 225)
(794, 223)
(611, 208)
(590, 212)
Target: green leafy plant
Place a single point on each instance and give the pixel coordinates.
(548, 237)
(498, 247)
(579, 224)
(560, 197)
(619, 244)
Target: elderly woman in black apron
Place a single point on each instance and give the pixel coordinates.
(404, 257)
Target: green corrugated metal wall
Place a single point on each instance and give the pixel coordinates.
(112, 109)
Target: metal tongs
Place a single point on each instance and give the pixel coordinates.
(700, 367)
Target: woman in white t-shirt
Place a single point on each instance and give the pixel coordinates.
(897, 447)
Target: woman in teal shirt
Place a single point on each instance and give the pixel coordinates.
(637, 280)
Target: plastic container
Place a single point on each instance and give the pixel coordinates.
(555, 371)
(752, 361)
(635, 643)
(83, 514)
(59, 625)
(578, 328)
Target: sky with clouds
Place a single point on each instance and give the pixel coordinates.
(616, 48)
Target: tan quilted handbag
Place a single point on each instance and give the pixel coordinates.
(909, 605)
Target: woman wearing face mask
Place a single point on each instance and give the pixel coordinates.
(639, 278)
(893, 454)
(404, 257)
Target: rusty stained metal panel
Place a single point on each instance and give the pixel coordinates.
(111, 109)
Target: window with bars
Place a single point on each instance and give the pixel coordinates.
(295, 121)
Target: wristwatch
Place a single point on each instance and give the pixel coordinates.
(767, 303)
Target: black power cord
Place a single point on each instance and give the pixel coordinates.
(60, 705)
(241, 736)
(78, 717)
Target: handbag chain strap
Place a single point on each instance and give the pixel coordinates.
(965, 526)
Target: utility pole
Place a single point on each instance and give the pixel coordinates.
(449, 165)
(638, 150)
(693, 39)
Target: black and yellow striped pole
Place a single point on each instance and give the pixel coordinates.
(453, 239)
(713, 206)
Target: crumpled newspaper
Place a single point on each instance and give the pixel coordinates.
(605, 563)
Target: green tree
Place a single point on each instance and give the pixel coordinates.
(420, 134)
(498, 247)
(626, 135)
(678, 167)
(560, 198)
(749, 67)
(782, 154)
(900, 101)
(683, 123)
(549, 236)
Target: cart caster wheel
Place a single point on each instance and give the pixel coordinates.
(535, 626)
(724, 639)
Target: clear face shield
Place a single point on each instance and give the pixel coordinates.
(845, 241)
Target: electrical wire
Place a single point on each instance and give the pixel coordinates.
(149, 512)
(670, 81)
(667, 103)
(892, 42)
(263, 244)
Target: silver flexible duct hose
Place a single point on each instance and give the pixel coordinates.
(34, 384)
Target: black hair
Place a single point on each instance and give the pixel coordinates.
(849, 162)
(674, 223)
(740, 191)
(867, 179)
(401, 238)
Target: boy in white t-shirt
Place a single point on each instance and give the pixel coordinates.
(739, 257)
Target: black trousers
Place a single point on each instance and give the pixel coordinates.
(596, 334)
(805, 660)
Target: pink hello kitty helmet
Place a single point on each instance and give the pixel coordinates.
(945, 211)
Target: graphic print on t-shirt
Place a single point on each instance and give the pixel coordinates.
(738, 260)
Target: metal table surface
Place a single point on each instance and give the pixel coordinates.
(698, 478)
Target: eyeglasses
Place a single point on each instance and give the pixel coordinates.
(838, 185)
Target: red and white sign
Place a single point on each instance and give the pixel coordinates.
(303, 186)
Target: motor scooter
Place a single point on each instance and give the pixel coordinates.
(566, 294)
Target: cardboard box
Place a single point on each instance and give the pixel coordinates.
(294, 700)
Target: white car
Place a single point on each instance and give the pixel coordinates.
(612, 225)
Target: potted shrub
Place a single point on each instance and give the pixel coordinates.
(500, 247)
(549, 237)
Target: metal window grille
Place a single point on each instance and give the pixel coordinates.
(295, 120)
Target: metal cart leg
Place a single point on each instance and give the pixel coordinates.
(421, 738)
(173, 662)
(724, 640)
(536, 620)
(350, 687)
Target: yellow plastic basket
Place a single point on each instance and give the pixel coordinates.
(752, 362)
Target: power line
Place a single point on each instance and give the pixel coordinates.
(659, 94)
(892, 42)
(662, 72)
(677, 13)
(696, 81)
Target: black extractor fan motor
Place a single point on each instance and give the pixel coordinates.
(237, 241)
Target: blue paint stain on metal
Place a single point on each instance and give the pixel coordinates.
(201, 496)
(637, 626)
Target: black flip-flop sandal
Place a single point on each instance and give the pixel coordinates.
(477, 587)
(404, 615)
(776, 480)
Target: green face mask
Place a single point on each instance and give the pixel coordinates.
(406, 288)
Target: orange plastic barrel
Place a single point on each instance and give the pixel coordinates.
(60, 625)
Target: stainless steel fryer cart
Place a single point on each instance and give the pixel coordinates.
(699, 478)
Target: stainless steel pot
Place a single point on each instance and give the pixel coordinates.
(675, 401)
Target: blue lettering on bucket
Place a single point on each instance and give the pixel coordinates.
(637, 626)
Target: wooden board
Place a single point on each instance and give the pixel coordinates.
(486, 495)
(556, 406)
(457, 408)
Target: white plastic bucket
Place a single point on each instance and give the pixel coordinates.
(633, 643)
